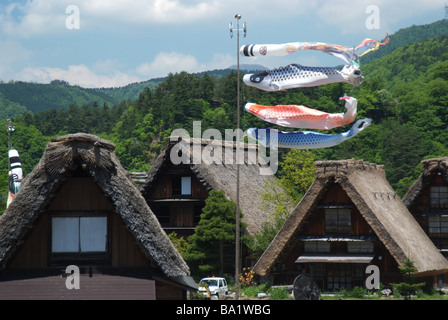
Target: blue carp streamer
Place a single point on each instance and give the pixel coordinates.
(273, 138)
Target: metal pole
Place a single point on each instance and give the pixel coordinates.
(238, 137)
(10, 128)
(237, 215)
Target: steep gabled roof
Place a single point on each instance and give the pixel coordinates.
(97, 158)
(430, 167)
(366, 185)
(222, 174)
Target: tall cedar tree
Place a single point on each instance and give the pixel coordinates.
(215, 230)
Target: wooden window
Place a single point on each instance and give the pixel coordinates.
(181, 186)
(163, 214)
(79, 236)
(360, 247)
(438, 224)
(176, 185)
(341, 275)
(439, 196)
(65, 234)
(317, 246)
(338, 220)
(186, 186)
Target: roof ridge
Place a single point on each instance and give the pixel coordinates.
(344, 167)
(84, 138)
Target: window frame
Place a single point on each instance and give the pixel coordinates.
(438, 224)
(185, 186)
(338, 227)
(438, 196)
(360, 247)
(99, 257)
(179, 188)
(317, 247)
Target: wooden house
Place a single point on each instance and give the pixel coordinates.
(427, 200)
(176, 192)
(78, 207)
(348, 219)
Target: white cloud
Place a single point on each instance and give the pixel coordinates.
(172, 62)
(77, 75)
(49, 16)
(104, 73)
(221, 61)
(200, 28)
(33, 17)
(350, 16)
(166, 62)
(12, 53)
(149, 12)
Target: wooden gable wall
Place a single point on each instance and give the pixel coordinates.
(78, 194)
(163, 186)
(127, 274)
(313, 225)
(176, 212)
(422, 210)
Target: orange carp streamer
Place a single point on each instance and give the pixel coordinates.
(295, 116)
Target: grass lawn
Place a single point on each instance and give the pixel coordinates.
(279, 293)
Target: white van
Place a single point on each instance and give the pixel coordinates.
(217, 286)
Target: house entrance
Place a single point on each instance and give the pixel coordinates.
(336, 276)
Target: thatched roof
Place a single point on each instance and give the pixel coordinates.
(366, 185)
(96, 157)
(222, 175)
(430, 167)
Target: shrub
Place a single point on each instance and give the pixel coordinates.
(356, 292)
(247, 277)
(279, 293)
(253, 291)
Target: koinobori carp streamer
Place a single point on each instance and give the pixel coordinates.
(298, 116)
(345, 53)
(296, 76)
(273, 138)
(15, 175)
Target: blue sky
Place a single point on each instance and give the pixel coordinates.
(124, 41)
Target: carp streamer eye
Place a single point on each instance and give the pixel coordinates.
(257, 78)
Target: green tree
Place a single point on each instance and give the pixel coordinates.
(408, 286)
(401, 150)
(297, 172)
(280, 204)
(215, 230)
(207, 87)
(179, 242)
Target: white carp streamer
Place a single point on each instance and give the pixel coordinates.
(348, 54)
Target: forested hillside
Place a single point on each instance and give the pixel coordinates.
(409, 35)
(404, 92)
(36, 97)
(17, 97)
